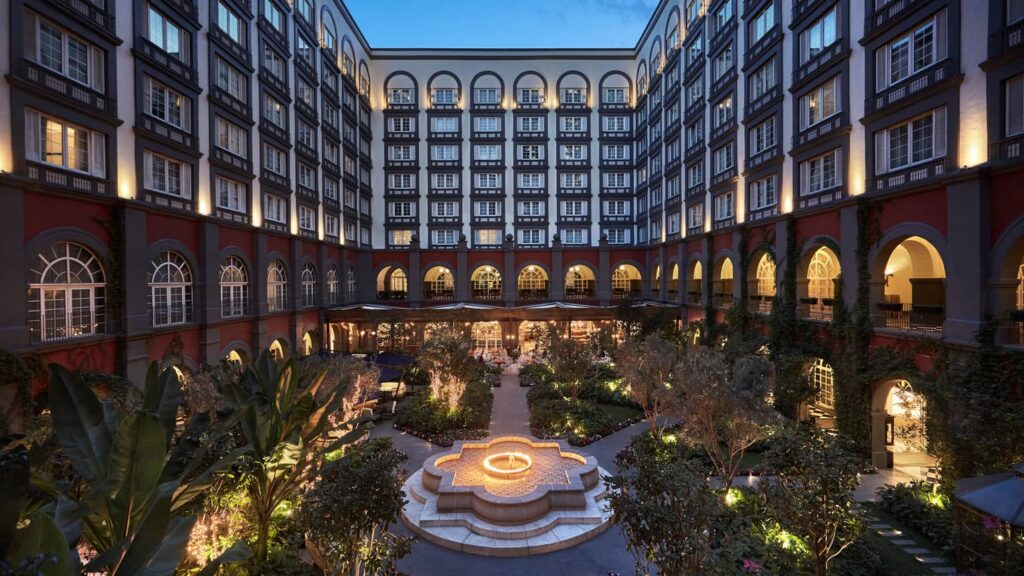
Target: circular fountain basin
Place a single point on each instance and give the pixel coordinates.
(507, 465)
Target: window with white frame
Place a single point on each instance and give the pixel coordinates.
(820, 35)
(277, 287)
(304, 52)
(694, 133)
(444, 96)
(274, 15)
(399, 237)
(275, 208)
(63, 52)
(530, 124)
(444, 209)
(613, 95)
(231, 80)
(487, 208)
(573, 124)
(305, 93)
(402, 181)
(231, 194)
(762, 23)
(573, 180)
(488, 152)
(401, 152)
(309, 286)
(822, 378)
(307, 218)
(305, 134)
(66, 294)
(616, 207)
(723, 63)
(616, 179)
(350, 231)
(274, 63)
(695, 216)
(165, 34)
(333, 285)
(762, 136)
(530, 96)
(911, 53)
(234, 288)
(401, 209)
(574, 96)
(694, 92)
(762, 80)
(489, 180)
(821, 103)
(694, 10)
(444, 181)
(723, 16)
(656, 229)
(444, 152)
(170, 289)
(331, 225)
(695, 174)
(762, 193)
(615, 123)
(59, 143)
(487, 124)
(531, 180)
(275, 160)
(403, 124)
(531, 236)
(573, 207)
(529, 152)
(695, 51)
(446, 237)
(723, 111)
(486, 96)
(920, 139)
(530, 207)
(572, 152)
(400, 96)
(672, 226)
(307, 176)
(724, 159)
(617, 235)
(166, 175)
(574, 236)
(486, 237)
(724, 206)
(615, 151)
(1015, 104)
(821, 173)
(274, 111)
(447, 124)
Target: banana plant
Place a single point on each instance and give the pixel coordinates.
(134, 482)
(286, 421)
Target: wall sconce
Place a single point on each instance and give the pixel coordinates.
(887, 276)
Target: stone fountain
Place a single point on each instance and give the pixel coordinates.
(507, 496)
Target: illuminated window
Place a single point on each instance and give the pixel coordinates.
(170, 284)
(67, 294)
(277, 287)
(822, 378)
(234, 288)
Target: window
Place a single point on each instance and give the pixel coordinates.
(693, 10)
(274, 111)
(274, 63)
(573, 208)
(614, 96)
(531, 208)
(616, 179)
(305, 8)
(277, 287)
(59, 143)
(723, 111)
(762, 136)
(304, 52)
(486, 124)
(695, 51)
(531, 124)
(695, 216)
(401, 209)
(166, 35)
(821, 103)
(276, 209)
(820, 35)
(723, 159)
(486, 96)
(487, 152)
(909, 54)
(820, 173)
(615, 151)
(444, 124)
(234, 288)
(445, 181)
(695, 174)
(574, 96)
(331, 225)
(723, 63)
(307, 218)
(446, 237)
(486, 237)
(402, 153)
(694, 92)
(532, 180)
(487, 208)
(231, 137)
(332, 285)
(230, 23)
(573, 152)
(350, 231)
(402, 181)
(762, 80)
(529, 151)
(67, 294)
(531, 236)
(1015, 105)
(309, 286)
(615, 123)
(305, 93)
(166, 175)
(231, 80)
(673, 223)
(617, 235)
(530, 96)
(574, 180)
(822, 379)
(170, 289)
(443, 96)
(444, 152)
(275, 160)
(488, 180)
(573, 124)
(723, 206)
(723, 16)
(695, 133)
(918, 140)
(304, 134)
(763, 22)
(402, 124)
(274, 15)
(574, 236)
(616, 207)
(63, 52)
(399, 237)
(762, 193)
(230, 194)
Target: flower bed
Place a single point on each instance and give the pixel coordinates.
(431, 420)
(919, 508)
(599, 411)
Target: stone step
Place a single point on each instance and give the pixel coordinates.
(930, 560)
(904, 542)
(943, 570)
(917, 551)
(880, 526)
(890, 533)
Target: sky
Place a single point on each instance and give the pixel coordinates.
(502, 23)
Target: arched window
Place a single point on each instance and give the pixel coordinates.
(533, 282)
(277, 287)
(766, 276)
(1020, 287)
(486, 283)
(352, 284)
(620, 281)
(170, 288)
(309, 291)
(332, 285)
(234, 288)
(822, 378)
(329, 37)
(821, 274)
(67, 294)
(398, 282)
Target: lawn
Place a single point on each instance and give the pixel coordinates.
(619, 413)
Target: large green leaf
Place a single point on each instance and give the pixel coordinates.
(163, 396)
(80, 425)
(42, 536)
(165, 558)
(151, 532)
(187, 492)
(236, 553)
(136, 462)
(14, 477)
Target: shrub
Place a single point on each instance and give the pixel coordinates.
(430, 418)
(917, 506)
(534, 374)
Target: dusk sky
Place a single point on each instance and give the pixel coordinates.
(502, 24)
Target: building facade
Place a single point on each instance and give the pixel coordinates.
(220, 176)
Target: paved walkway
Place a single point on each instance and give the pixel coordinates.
(921, 552)
(510, 414)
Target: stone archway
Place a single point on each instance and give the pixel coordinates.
(897, 429)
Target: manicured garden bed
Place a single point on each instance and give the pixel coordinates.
(430, 418)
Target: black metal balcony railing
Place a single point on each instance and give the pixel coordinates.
(392, 295)
(912, 317)
(815, 309)
(533, 294)
(759, 304)
(624, 294)
(487, 294)
(442, 295)
(579, 294)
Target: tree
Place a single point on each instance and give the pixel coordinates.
(723, 412)
(646, 369)
(286, 421)
(572, 362)
(445, 354)
(348, 512)
(815, 474)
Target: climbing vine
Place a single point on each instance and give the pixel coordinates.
(115, 293)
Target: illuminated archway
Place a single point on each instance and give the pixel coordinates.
(310, 343)
(487, 337)
(898, 433)
(438, 284)
(532, 283)
(626, 282)
(818, 289)
(533, 337)
(279, 349)
(762, 287)
(722, 283)
(485, 283)
(914, 294)
(673, 283)
(580, 283)
(656, 282)
(392, 284)
(695, 284)
(236, 357)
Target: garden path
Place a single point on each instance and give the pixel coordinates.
(510, 414)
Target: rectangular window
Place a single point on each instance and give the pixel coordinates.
(531, 236)
(231, 137)
(762, 136)
(911, 53)
(166, 105)
(444, 237)
(763, 22)
(574, 96)
(821, 103)
(614, 96)
(615, 151)
(274, 15)
(695, 216)
(616, 179)
(762, 193)
(919, 140)
(400, 237)
(274, 111)
(400, 96)
(402, 181)
(530, 96)
(762, 80)
(330, 226)
(305, 134)
(723, 207)
(694, 92)
(673, 223)
(573, 124)
(572, 152)
(487, 208)
(166, 35)
(617, 235)
(444, 209)
(443, 96)
(723, 111)
(403, 124)
(1015, 105)
(444, 181)
(489, 180)
(401, 153)
(350, 231)
(305, 93)
(530, 207)
(166, 175)
(487, 237)
(531, 124)
(231, 194)
(59, 143)
(723, 63)
(615, 123)
(307, 218)
(488, 96)
(230, 24)
(231, 80)
(307, 176)
(486, 124)
(444, 152)
(275, 160)
(401, 209)
(529, 152)
(573, 208)
(490, 152)
(574, 180)
(444, 124)
(616, 207)
(532, 180)
(695, 174)
(57, 49)
(820, 35)
(723, 16)
(574, 236)
(821, 173)
(274, 63)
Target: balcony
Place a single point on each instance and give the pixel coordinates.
(54, 176)
(758, 304)
(913, 175)
(625, 294)
(889, 14)
(815, 309)
(488, 293)
(909, 317)
(439, 295)
(904, 90)
(819, 130)
(533, 293)
(91, 13)
(73, 93)
(1007, 150)
(819, 61)
(802, 8)
(1005, 40)
(392, 295)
